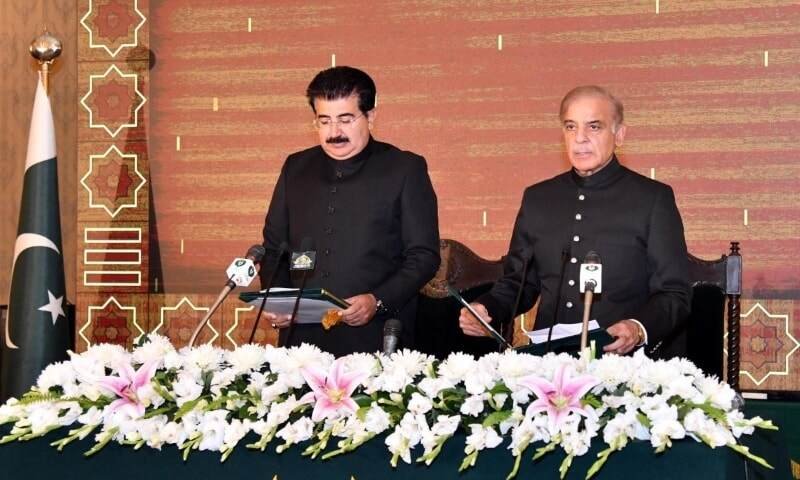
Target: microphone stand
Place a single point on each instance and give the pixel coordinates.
(296, 307)
(564, 256)
(525, 265)
(229, 285)
(587, 306)
(266, 293)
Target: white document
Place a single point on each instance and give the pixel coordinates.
(560, 330)
(281, 301)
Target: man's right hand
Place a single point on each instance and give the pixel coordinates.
(471, 326)
(278, 320)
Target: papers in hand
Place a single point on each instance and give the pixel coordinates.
(314, 302)
(560, 330)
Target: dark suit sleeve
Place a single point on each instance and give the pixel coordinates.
(276, 231)
(420, 237)
(667, 263)
(500, 300)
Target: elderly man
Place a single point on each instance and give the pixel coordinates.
(371, 211)
(631, 221)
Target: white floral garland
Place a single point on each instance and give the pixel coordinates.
(206, 398)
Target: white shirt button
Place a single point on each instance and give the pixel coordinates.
(569, 304)
(571, 283)
(573, 260)
(578, 216)
(576, 238)
(581, 197)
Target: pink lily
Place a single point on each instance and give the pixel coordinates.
(331, 391)
(128, 386)
(560, 397)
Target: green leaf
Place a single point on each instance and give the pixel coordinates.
(496, 418)
(564, 468)
(187, 407)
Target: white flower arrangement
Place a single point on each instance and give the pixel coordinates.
(206, 398)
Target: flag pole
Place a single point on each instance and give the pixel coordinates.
(45, 49)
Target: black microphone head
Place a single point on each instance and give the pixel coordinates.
(256, 252)
(592, 257)
(392, 327)
(307, 244)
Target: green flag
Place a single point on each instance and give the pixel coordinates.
(36, 330)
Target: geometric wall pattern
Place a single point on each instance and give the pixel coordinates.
(189, 108)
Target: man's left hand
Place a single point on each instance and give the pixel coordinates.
(362, 309)
(627, 337)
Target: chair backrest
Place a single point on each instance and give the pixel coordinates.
(436, 330)
(713, 283)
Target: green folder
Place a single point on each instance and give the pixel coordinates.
(314, 302)
(571, 344)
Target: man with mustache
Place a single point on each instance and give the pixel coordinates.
(370, 209)
(631, 221)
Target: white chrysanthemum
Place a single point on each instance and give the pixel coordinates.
(406, 436)
(400, 370)
(153, 350)
(246, 358)
(288, 362)
(456, 366)
(106, 354)
(204, 357)
(60, 374)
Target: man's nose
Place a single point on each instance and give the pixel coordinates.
(580, 135)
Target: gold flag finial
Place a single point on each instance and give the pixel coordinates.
(45, 49)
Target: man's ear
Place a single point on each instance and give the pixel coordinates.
(371, 115)
(619, 136)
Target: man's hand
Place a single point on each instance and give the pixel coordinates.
(362, 309)
(278, 320)
(470, 325)
(628, 336)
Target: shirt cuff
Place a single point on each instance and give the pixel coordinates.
(644, 330)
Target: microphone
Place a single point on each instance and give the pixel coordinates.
(526, 262)
(304, 261)
(282, 249)
(391, 335)
(241, 272)
(565, 253)
(590, 283)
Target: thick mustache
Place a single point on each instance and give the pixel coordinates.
(339, 139)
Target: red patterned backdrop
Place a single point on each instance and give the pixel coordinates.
(190, 107)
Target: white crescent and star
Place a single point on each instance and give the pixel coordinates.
(54, 305)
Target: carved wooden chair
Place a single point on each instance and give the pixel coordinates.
(436, 330)
(716, 292)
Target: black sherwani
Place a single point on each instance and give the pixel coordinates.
(631, 221)
(374, 222)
